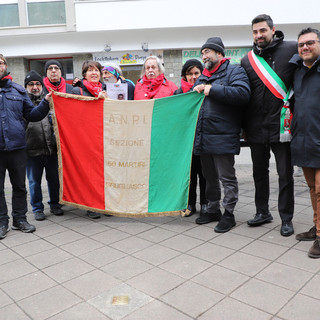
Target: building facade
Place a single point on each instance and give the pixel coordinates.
(125, 32)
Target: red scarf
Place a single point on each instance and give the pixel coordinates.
(49, 85)
(208, 73)
(6, 77)
(93, 87)
(186, 86)
(152, 86)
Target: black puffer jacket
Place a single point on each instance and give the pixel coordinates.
(40, 137)
(305, 144)
(81, 90)
(219, 122)
(262, 115)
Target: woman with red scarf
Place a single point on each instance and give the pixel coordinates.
(91, 86)
(190, 72)
(153, 84)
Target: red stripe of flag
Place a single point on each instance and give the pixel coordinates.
(80, 125)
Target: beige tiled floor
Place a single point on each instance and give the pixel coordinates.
(169, 267)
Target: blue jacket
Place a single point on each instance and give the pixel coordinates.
(219, 121)
(15, 105)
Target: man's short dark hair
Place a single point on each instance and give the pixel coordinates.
(262, 18)
(309, 30)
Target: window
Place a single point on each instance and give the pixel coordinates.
(9, 14)
(46, 12)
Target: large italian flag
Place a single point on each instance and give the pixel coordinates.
(127, 158)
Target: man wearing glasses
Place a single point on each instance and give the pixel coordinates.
(305, 145)
(15, 106)
(42, 154)
(54, 79)
(270, 75)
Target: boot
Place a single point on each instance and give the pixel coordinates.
(207, 217)
(314, 251)
(307, 236)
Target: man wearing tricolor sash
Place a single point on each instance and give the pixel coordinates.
(268, 117)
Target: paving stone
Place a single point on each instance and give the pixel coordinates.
(13, 312)
(181, 243)
(4, 299)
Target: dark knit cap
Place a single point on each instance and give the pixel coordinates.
(214, 43)
(32, 76)
(189, 64)
(52, 62)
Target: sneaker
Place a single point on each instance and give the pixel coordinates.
(57, 211)
(314, 251)
(3, 231)
(225, 224)
(23, 225)
(93, 215)
(310, 235)
(39, 216)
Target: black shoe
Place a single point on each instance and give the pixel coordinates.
(207, 217)
(23, 225)
(93, 215)
(4, 229)
(57, 211)
(203, 209)
(39, 216)
(191, 210)
(260, 219)
(286, 229)
(225, 224)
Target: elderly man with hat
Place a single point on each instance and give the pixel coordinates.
(226, 89)
(54, 79)
(15, 106)
(42, 154)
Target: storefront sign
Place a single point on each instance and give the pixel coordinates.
(235, 54)
(126, 57)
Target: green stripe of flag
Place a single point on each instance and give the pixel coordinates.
(174, 121)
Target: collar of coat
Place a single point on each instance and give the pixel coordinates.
(277, 39)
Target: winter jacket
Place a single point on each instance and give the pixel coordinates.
(15, 106)
(131, 87)
(305, 127)
(167, 89)
(262, 115)
(219, 121)
(40, 137)
(81, 90)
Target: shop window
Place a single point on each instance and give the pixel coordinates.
(46, 12)
(9, 15)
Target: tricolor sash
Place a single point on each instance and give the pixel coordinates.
(273, 82)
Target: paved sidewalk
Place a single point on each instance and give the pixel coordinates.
(163, 268)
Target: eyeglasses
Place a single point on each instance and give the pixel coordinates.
(205, 52)
(309, 43)
(31, 84)
(53, 68)
(2, 63)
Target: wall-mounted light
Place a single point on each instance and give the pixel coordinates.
(144, 46)
(107, 48)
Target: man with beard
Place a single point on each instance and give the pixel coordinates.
(15, 106)
(270, 75)
(153, 84)
(54, 79)
(42, 154)
(217, 140)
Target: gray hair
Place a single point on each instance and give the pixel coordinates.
(160, 65)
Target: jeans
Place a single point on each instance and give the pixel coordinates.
(35, 166)
(15, 163)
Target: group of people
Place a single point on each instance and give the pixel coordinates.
(272, 96)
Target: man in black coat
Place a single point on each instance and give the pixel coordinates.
(15, 106)
(262, 123)
(305, 145)
(217, 140)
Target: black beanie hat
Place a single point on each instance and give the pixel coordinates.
(191, 63)
(49, 63)
(214, 43)
(32, 76)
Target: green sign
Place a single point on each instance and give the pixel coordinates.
(235, 54)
